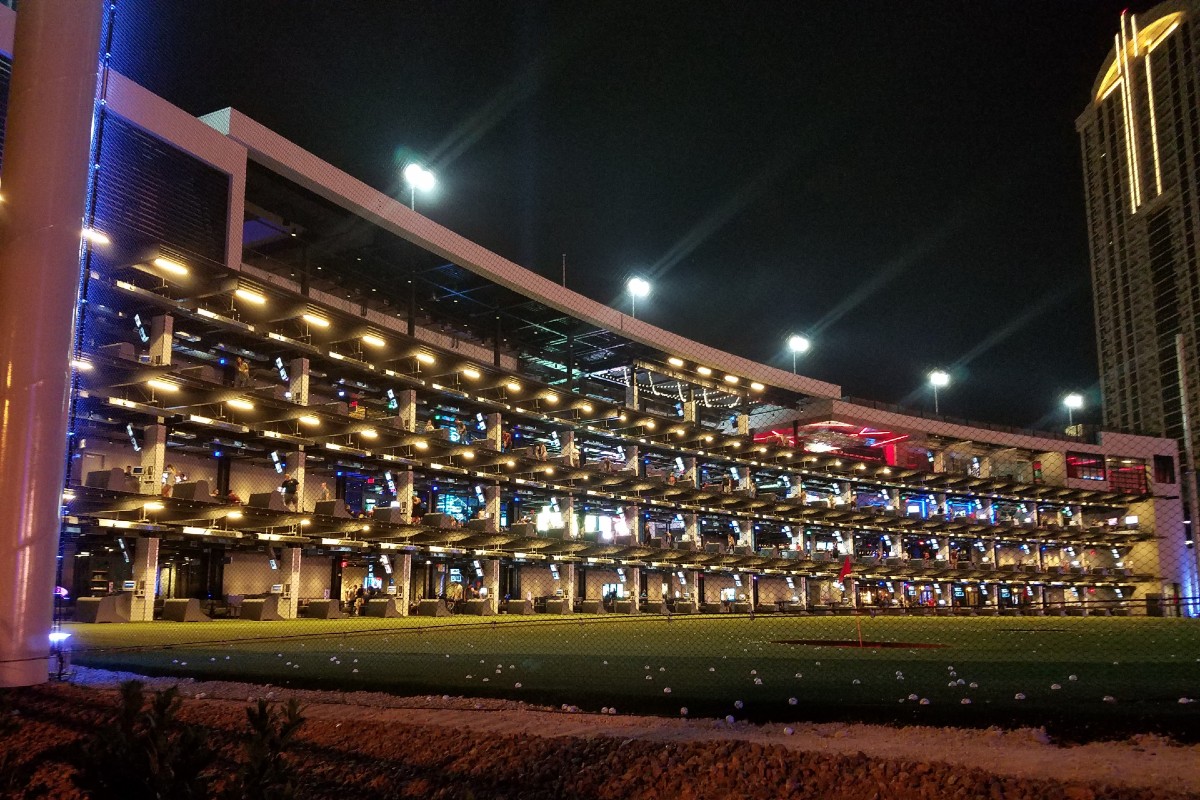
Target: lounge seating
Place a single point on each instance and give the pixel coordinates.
(192, 490)
(591, 607)
(261, 609)
(390, 515)
(625, 607)
(765, 608)
(332, 508)
(526, 530)
(114, 479)
(383, 607)
(112, 608)
(518, 607)
(478, 607)
(271, 501)
(685, 607)
(712, 608)
(433, 608)
(438, 520)
(558, 606)
(323, 609)
(654, 607)
(183, 610)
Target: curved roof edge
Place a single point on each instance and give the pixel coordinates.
(331, 183)
(1152, 24)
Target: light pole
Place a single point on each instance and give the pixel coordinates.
(1073, 402)
(798, 344)
(418, 177)
(638, 287)
(938, 379)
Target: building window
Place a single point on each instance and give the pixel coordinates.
(1164, 469)
(1085, 467)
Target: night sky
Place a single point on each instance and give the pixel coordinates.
(900, 181)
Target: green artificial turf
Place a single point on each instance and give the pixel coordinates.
(711, 663)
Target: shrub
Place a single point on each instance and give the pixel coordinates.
(266, 773)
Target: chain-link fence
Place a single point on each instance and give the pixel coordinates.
(319, 440)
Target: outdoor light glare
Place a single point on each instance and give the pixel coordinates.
(425, 358)
(939, 378)
(309, 420)
(251, 296)
(675, 362)
(172, 266)
(638, 287)
(82, 366)
(705, 371)
(96, 237)
(471, 372)
(373, 340)
(162, 386)
(154, 506)
(731, 379)
(234, 515)
(369, 433)
(419, 178)
(313, 319)
(422, 445)
(244, 405)
(1073, 401)
(756, 386)
(799, 344)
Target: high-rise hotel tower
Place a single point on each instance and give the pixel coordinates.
(1140, 136)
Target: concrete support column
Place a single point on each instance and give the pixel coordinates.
(404, 492)
(295, 465)
(402, 569)
(995, 593)
(566, 505)
(635, 587)
(493, 431)
(570, 450)
(689, 411)
(942, 508)
(745, 533)
(691, 528)
(145, 576)
(298, 381)
(846, 493)
(631, 391)
(406, 401)
(897, 548)
(943, 553)
(289, 575)
(802, 591)
(154, 459)
(894, 500)
(743, 424)
(988, 509)
(491, 507)
(948, 593)
(693, 586)
(850, 591)
(633, 459)
(567, 574)
(690, 471)
(46, 169)
(491, 580)
(162, 337)
(939, 461)
(985, 467)
(633, 518)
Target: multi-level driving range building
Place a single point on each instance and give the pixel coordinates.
(252, 316)
(1141, 155)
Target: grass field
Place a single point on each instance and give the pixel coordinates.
(712, 663)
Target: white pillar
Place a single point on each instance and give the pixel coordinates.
(491, 507)
(154, 458)
(745, 533)
(145, 576)
(567, 506)
(46, 169)
(633, 459)
(633, 518)
(298, 381)
(407, 410)
(635, 587)
(743, 424)
(803, 590)
(291, 583)
(295, 465)
(162, 336)
(402, 568)
(404, 492)
(691, 472)
(491, 580)
(689, 411)
(494, 430)
(691, 528)
(631, 390)
(567, 571)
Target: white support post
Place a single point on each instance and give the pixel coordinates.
(402, 568)
(491, 580)
(743, 424)
(145, 576)
(298, 381)
(291, 583)
(404, 492)
(635, 587)
(567, 506)
(154, 458)
(407, 411)
(633, 459)
(689, 411)
(494, 431)
(295, 465)
(633, 518)
(491, 507)
(631, 390)
(691, 528)
(162, 337)
(745, 533)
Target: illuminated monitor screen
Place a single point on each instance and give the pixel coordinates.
(391, 589)
(456, 575)
(791, 583)
(617, 589)
(737, 580)
(128, 586)
(729, 595)
(277, 588)
(554, 571)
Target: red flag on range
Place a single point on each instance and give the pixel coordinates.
(847, 568)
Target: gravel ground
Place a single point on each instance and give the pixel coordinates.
(378, 746)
